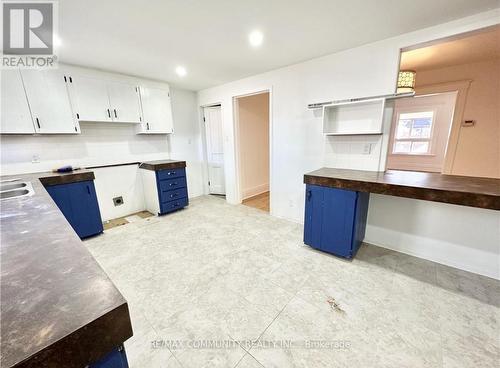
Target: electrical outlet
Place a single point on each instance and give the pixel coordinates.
(35, 159)
(367, 148)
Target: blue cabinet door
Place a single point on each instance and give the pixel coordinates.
(86, 215)
(335, 219)
(115, 359)
(313, 216)
(78, 203)
(60, 195)
(339, 207)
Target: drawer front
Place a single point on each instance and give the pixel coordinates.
(173, 205)
(172, 195)
(171, 173)
(172, 184)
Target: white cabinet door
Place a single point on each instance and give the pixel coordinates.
(124, 102)
(49, 102)
(90, 98)
(15, 113)
(156, 111)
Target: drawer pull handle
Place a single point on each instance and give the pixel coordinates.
(173, 195)
(171, 184)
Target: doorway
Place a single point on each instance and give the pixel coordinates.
(252, 127)
(212, 118)
(420, 131)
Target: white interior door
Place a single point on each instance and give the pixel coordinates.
(90, 98)
(156, 110)
(49, 102)
(215, 149)
(420, 132)
(124, 102)
(15, 114)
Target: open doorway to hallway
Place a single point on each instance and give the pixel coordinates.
(252, 126)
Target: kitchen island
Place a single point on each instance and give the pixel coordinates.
(58, 307)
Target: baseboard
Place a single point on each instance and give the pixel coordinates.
(252, 192)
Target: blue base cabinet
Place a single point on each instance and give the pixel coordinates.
(172, 189)
(335, 219)
(115, 359)
(78, 203)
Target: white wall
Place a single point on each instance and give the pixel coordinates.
(298, 145)
(108, 143)
(253, 128)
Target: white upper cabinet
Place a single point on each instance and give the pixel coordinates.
(15, 113)
(49, 102)
(156, 111)
(124, 102)
(90, 98)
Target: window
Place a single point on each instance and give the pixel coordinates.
(413, 133)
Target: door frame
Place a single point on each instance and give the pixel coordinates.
(237, 153)
(203, 132)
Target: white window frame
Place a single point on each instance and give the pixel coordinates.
(431, 139)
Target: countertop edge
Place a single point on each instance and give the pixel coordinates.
(162, 166)
(449, 196)
(115, 327)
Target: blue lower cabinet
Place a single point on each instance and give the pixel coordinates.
(172, 190)
(115, 359)
(78, 203)
(335, 219)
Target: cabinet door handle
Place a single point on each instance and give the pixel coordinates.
(147, 126)
(38, 123)
(309, 195)
(116, 116)
(88, 189)
(109, 114)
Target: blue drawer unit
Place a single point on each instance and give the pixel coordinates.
(165, 185)
(78, 203)
(335, 219)
(172, 189)
(115, 359)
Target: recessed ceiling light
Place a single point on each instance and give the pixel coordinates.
(255, 38)
(181, 71)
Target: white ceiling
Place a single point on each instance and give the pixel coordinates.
(478, 46)
(209, 37)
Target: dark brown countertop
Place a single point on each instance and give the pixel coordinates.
(58, 307)
(49, 179)
(162, 165)
(461, 190)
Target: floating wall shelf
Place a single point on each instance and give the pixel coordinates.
(354, 118)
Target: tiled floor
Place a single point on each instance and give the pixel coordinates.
(260, 201)
(216, 273)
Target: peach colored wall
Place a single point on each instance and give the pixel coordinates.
(254, 144)
(478, 150)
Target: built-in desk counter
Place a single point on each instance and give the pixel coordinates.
(336, 205)
(461, 190)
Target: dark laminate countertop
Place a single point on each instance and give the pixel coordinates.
(461, 190)
(58, 307)
(162, 165)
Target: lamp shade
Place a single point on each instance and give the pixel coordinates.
(406, 80)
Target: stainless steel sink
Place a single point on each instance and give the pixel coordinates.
(10, 186)
(14, 193)
(15, 190)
